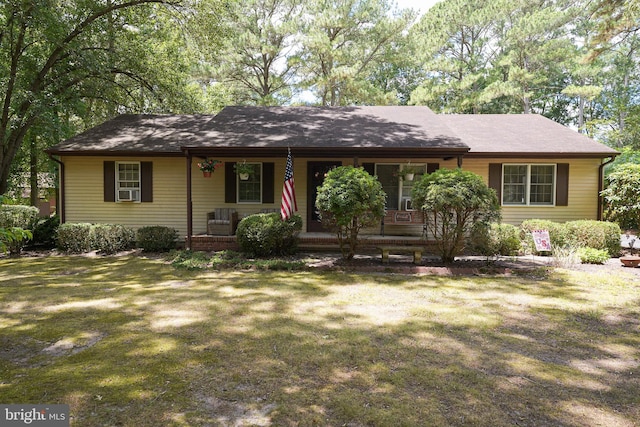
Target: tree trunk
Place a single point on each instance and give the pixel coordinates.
(33, 171)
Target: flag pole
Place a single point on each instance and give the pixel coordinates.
(289, 204)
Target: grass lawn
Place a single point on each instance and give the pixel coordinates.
(129, 341)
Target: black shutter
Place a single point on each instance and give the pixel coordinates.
(495, 179)
(562, 184)
(268, 182)
(229, 183)
(370, 168)
(109, 184)
(146, 182)
(432, 167)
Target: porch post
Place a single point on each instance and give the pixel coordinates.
(599, 214)
(189, 203)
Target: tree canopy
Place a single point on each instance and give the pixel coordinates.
(67, 66)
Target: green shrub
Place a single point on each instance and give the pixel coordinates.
(576, 234)
(157, 238)
(13, 239)
(557, 233)
(74, 237)
(497, 239)
(111, 238)
(593, 256)
(189, 260)
(594, 234)
(622, 195)
(349, 200)
(44, 233)
(267, 234)
(455, 202)
(25, 217)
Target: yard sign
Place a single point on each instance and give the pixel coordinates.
(542, 240)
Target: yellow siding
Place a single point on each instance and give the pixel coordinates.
(583, 191)
(84, 192)
(208, 193)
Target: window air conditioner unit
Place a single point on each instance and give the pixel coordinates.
(406, 204)
(125, 195)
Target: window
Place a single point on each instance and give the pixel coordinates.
(399, 190)
(250, 190)
(127, 182)
(532, 184)
(388, 177)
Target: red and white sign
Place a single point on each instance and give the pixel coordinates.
(542, 240)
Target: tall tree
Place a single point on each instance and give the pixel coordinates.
(344, 41)
(260, 56)
(453, 42)
(616, 18)
(534, 46)
(62, 58)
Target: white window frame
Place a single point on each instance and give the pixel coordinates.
(239, 182)
(136, 190)
(527, 198)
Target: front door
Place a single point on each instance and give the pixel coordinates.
(316, 171)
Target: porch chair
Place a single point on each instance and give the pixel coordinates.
(222, 222)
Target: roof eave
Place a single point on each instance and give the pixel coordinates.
(114, 153)
(542, 155)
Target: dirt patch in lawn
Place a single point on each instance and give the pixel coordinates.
(27, 351)
(527, 266)
(403, 264)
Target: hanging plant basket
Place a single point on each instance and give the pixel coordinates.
(208, 166)
(244, 170)
(409, 176)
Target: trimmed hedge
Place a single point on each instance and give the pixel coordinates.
(577, 234)
(157, 238)
(111, 238)
(594, 234)
(504, 239)
(267, 234)
(104, 238)
(22, 216)
(74, 237)
(557, 233)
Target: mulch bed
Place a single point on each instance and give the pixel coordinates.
(403, 264)
(464, 266)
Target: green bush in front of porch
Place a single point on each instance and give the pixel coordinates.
(349, 200)
(455, 203)
(266, 234)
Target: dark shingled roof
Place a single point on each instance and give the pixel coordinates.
(136, 134)
(383, 131)
(328, 127)
(521, 134)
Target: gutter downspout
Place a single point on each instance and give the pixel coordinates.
(60, 208)
(189, 202)
(601, 185)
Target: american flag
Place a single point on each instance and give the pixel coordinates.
(289, 204)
